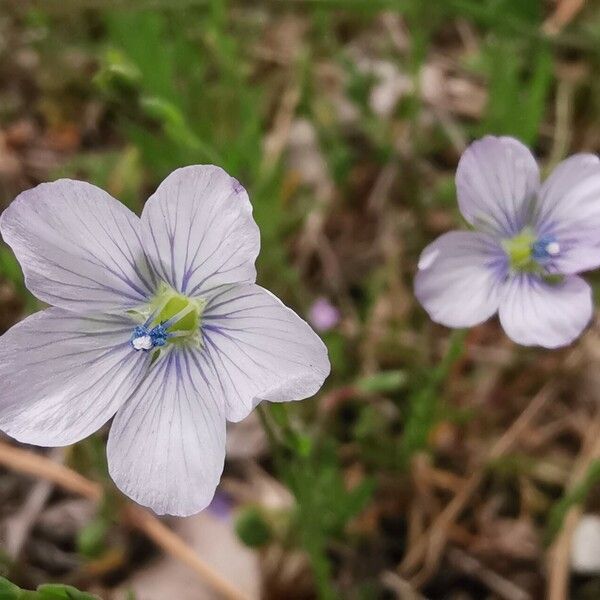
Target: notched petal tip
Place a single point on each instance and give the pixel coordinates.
(238, 188)
(256, 348)
(169, 458)
(535, 312)
(199, 231)
(496, 179)
(79, 248)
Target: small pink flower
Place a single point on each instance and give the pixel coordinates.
(323, 315)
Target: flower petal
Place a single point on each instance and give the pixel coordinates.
(79, 247)
(258, 349)
(534, 312)
(63, 376)
(166, 447)
(569, 211)
(575, 256)
(460, 277)
(199, 231)
(496, 179)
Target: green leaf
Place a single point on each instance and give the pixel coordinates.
(46, 591)
(10, 268)
(386, 381)
(252, 527)
(116, 73)
(8, 590)
(57, 591)
(91, 539)
(576, 496)
(423, 403)
(520, 77)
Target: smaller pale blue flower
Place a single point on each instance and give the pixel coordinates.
(530, 242)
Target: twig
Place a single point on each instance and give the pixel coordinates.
(170, 542)
(36, 465)
(428, 549)
(400, 586)
(27, 462)
(496, 583)
(276, 139)
(430, 545)
(565, 93)
(559, 552)
(565, 12)
(19, 525)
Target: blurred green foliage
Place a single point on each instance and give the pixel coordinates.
(48, 591)
(422, 408)
(325, 505)
(179, 87)
(574, 497)
(253, 527)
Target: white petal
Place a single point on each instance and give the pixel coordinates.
(79, 248)
(569, 211)
(460, 277)
(166, 447)
(199, 231)
(496, 180)
(536, 313)
(258, 349)
(63, 376)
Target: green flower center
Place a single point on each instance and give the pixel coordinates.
(169, 318)
(519, 250)
(528, 253)
(186, 312)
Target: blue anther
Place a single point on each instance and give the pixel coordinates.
(545, 248)
(147, 339)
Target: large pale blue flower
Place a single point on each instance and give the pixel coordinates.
(530, 242)
(156, 321)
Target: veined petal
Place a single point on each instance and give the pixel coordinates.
(496, 180)
(575, 255)
(534, 312)
(199, 231)
(79, 248)
(258, 349)
(460, 277)
(166, 447)
(63, 376)
(568, 210)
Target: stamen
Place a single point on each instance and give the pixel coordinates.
(168, 317)
(144, 342)
(544, 248)
(147, 339)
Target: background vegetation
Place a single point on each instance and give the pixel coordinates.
(453, 465)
